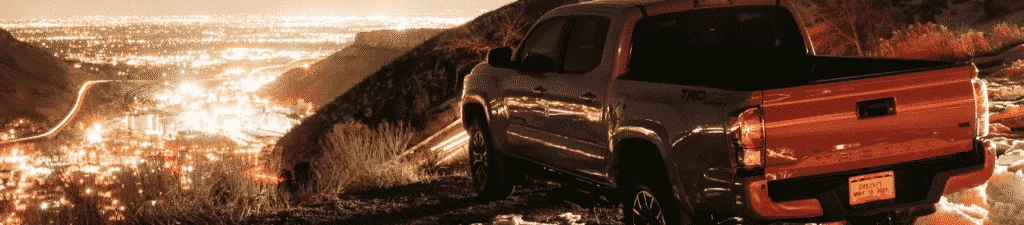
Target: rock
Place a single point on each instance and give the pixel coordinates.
(953, 213)
(1007, 214)
(1005, 187)
(972, 196)
(999, 128)
(568, 219)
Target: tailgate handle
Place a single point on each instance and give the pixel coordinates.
(876, 108)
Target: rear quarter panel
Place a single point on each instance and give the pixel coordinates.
(688, 125)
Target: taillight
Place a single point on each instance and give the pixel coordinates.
(746, 130)
(981, 105)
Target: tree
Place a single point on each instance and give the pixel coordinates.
(506, 29)
(859, 23)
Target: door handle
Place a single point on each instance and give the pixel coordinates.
(589, 96)
(876, 108)
(539, 90)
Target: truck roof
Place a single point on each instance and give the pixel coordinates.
(655, 7)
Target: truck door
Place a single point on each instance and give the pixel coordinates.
(523, 90)
(575, 124)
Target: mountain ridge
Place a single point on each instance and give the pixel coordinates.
(34, 83)
(422, 80)
(324, 80)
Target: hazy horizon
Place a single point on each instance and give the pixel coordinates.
(34, 9)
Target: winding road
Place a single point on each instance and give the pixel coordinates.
(72, 113)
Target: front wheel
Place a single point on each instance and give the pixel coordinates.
(487, 167)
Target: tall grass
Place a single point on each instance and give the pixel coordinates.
(221, 190)
(934, 41)
(210, 192)
(357, 157)
(214, 192)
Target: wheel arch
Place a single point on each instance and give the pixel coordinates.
(474, 106)
(633, 154)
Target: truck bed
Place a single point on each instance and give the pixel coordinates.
(756, 72)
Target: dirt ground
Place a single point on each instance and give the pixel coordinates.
(450, 199)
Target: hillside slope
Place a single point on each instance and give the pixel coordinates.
(426, 77)
(336, 74)
(33, 83)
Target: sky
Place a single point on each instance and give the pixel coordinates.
(78, 8)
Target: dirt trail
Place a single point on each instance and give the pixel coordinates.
(450, 200)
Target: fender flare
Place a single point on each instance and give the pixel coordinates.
(475, 99)
(654, 134)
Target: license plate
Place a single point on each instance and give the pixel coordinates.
(872, 187)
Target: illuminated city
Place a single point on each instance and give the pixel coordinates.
(540, 112)
(199, 105)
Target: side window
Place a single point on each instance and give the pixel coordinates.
(586, 43)
(545, 39)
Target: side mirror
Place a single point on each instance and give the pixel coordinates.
(500, 57)
(537, 63)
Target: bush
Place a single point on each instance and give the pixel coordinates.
(933, 41)
(214, 192)
(1005, 34)
(210, 191)
(357, 157)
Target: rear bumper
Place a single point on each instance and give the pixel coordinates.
(919, 185)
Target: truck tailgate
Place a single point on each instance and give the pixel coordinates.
(858, 123)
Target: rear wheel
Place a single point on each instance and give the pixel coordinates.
(487, 167)
(648, 203)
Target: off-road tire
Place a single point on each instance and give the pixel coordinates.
(643, 201)
(487, 166)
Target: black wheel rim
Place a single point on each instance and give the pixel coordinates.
(646, 209)
(478, 159)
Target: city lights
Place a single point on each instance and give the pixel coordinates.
(95, 134)
(206, 107)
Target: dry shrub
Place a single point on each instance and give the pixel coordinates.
(933, 41)
(215, 192)
(1007, 34)
(149, 193)
(356, 157)
(509, 28)
(828, 41)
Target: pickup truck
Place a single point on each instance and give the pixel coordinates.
(701, 112)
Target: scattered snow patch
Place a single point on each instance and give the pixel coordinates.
(953, 213)
(998, 202)
(514, 219)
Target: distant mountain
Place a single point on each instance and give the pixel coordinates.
(334, 75)
(35, 84)
(422, 80)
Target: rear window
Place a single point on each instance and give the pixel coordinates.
(728, 43)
